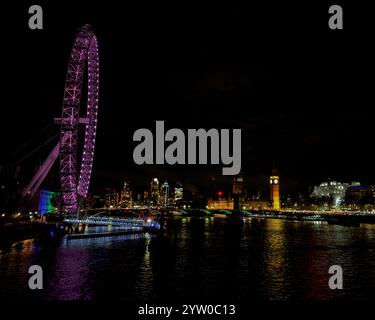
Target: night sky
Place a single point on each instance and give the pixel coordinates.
(301, 93)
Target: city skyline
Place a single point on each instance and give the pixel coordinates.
(326, 195)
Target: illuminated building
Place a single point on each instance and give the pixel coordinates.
(360, 195)
(275, 191)
(154, 192)
(112, 199)
(334, 191)
(164, 194)
(146, 197)
(221, 204)
(117, 200)
(126, 200)
(122, 199)
(229, 204)
(238, 191)
(178, 192)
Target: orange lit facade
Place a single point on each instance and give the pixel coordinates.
(222, 204)
(275, 192)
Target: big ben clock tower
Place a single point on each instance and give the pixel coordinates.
(275, 190)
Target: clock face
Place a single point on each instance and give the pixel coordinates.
(275, 181)
(271, 181)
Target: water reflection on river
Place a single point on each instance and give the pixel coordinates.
(202, 259)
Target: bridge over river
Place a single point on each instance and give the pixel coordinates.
(118, 222)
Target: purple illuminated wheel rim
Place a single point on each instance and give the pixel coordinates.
(84, 54)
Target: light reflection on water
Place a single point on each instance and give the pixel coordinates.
(199, 258)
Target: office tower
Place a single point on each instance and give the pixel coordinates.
(178, 192)
(154, 192)
(164, 194)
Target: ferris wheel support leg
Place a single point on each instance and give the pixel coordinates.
(41, 174)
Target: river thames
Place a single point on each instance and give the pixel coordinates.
(200, 259)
